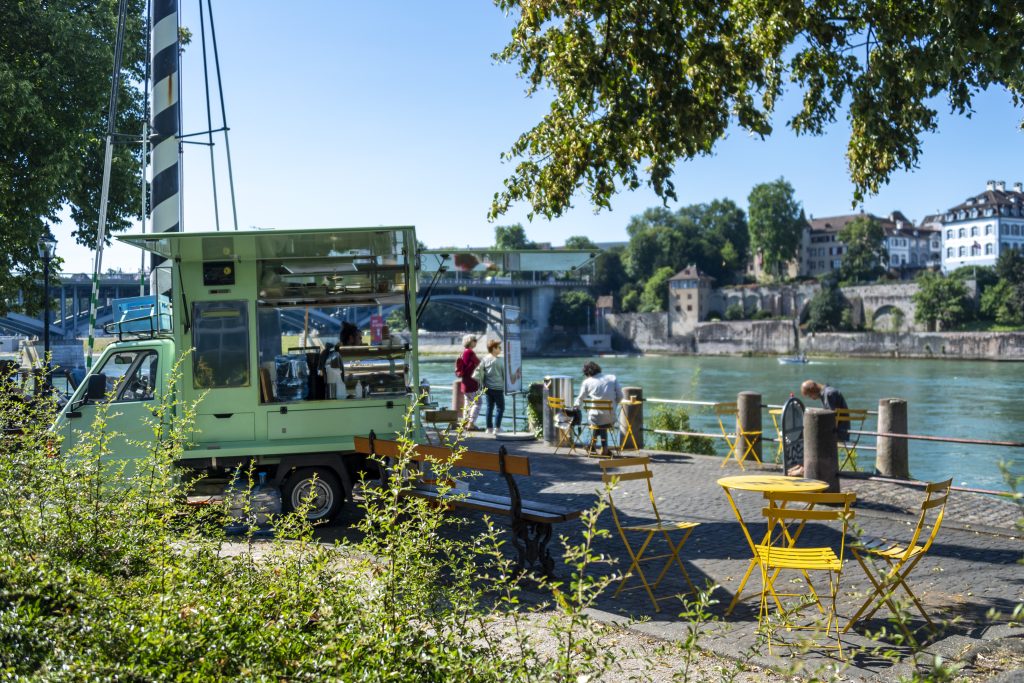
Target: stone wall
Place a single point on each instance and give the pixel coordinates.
(745, 336)
(646, 332)
(965, 345)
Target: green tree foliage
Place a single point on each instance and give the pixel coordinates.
(636, 87)
(826, 308)
(609, 273)
(55, 65)
(776, 223)
(511, 237)
(655, 295)
(735, 312)
(865, 250)
(1003, 301)
(940, 301)
(630, 301)
(580, 242)
(571, 309)
(713, 236)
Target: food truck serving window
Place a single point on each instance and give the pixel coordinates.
(220, 334)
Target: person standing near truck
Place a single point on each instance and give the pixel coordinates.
(492, 375)
(465, 366)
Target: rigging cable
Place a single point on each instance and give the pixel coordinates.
(122, 16)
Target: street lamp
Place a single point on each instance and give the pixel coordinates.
(47, 246)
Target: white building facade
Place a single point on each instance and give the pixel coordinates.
(975, 232)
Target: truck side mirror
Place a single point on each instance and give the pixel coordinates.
(96, 389)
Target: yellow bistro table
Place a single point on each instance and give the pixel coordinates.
(764, 483)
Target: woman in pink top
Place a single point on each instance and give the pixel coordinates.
(465, 366)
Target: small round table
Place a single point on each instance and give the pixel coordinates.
(765, 483)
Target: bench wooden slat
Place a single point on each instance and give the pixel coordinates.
(476, 460)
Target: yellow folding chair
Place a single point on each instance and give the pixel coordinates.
(781, 550)
(855, 418)
(776, 414)
(589, 404)
(732, 439)
(564, 428)
(900, 558)
(627, 433)
(637, 468)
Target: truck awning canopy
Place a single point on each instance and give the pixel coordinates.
(280, 244)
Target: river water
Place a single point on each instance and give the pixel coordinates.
(964, 399)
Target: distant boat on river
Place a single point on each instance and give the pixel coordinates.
(793, 360)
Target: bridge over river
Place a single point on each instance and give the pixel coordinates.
(481, 298)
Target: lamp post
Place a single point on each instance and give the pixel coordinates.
(47, 246)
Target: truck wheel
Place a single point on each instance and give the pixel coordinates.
(320, 482)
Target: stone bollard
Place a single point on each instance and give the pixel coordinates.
(892, 457)
(748, 419)
(632, 413)
(821, 453)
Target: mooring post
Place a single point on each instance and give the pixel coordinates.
(547, 419)
(748, 419)
(892, 454)
(821, 453)
(632, 414)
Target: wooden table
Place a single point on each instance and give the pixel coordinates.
(764, 483)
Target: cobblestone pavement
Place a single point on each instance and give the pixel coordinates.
(971, 569)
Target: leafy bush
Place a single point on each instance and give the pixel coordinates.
(677, 419)
(734, 312)
(761, 314)
(109, 576)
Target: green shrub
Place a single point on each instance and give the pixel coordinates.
(734, 312)
(108, 575)
(677, 419)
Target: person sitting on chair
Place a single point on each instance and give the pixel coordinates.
(831, 399)
(599, 387)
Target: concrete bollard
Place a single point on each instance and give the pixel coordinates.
(548, 426)
(748, 415)
(632, 413)
(892, 457)
(821, 453)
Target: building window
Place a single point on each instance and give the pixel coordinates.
(988, 229)
(989, 249)
(949, 252)
(949, 234)
(974, 231)
(689, 307)
(975, 249)
(894, 260)
(962, 233)
(963, 251)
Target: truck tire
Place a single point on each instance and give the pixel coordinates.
(329, 493)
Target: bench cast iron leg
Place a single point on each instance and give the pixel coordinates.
(531, 541)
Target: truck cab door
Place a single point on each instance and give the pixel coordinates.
(129, 381)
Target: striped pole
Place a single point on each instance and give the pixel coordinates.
(165, 125)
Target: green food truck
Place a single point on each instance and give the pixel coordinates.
(244, 304)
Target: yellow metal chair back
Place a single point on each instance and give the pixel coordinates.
(567, 433)
(782, 551)
(604, 406)
(626, 427)
(900, 558)
(776, 415)
(637, 468)
(854, 417)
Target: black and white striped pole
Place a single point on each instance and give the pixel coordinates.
(166, 202)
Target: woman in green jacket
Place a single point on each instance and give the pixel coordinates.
(492, 375)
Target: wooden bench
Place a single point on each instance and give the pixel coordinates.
(532, 521)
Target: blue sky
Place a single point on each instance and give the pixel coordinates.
(393, 113)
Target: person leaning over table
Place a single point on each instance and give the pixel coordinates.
(831, 399)
(599, 387)
(465, 366)
(491, 374)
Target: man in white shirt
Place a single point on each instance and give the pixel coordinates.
(599, 387)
